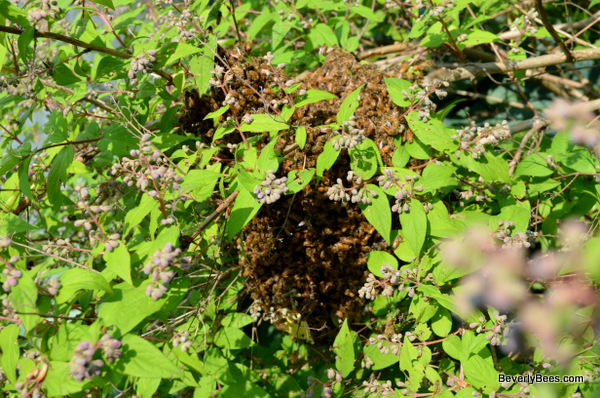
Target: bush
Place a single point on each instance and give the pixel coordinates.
(299, 199)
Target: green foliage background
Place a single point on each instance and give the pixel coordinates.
(87, 84)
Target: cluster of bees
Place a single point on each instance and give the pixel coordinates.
(305, 252)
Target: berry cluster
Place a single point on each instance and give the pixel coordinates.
(270, 189)
(182, 339)
(392, 280)
(47, 9)
(473, 138)
(405, 193)
(110, 347)
(355, 194)
(52, 286)
(31, 386)
(497, 332)
(7, 308)
(333, 377)
(12, 275)
(148, 168)
(418, 95)
(376, 388)
(350, 137)
(158, 269)
(388, 179)
(142, 63)
(520, 239)
(83, 364)
(89, 220)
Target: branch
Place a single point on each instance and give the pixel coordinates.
(67, 39)
(473, 70)
(216, 214)
(538, 125)
(91, 100)
(79, 43)
(544, 17)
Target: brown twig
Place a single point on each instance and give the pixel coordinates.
(538, 125)
(86, 98)
(79, 43)
(546, 22)
(216, 214)
(474, 70)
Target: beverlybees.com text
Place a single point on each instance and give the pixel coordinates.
(540, 378)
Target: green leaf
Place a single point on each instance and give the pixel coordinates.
(418, 150)
(109, 66)
(223, 130)
(432, 133)
(244, 209)
(59, 382)
(489, 166)
(408, 354)
(441, 323)
(3, 52)
(377, 259)
(137, 214)
(322, 34)
(232, 338)
(77, 279)
(24, 40)
(278, 32)
(9, 343)
(580, 160)
(298, 179)
(140, 358)
(365, 159)
(200, 183)
(8, 161)
(260, 22)
(423, 333)
(106, 3)
(533, 165)
(313, 96)
(127, 307)
(56, 128)
(476, 37)
(12, 223)
(348, 106)
(440, 223)
(267, 160)
(236, 320)
(343, 347)
(146, 386)
(13, 13)
(379, 213)
(421, 309)
(481, 374)
(414, 225)
(380, 361)
(301, 136)
(200, 65)
(183, 50)
(395, 87)
(438, 176)
(23, 297)
(264, 123)
(327, 158)
(63, 76)
(58, 175)
(217, 113)
(453, 346)
(119, 261)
